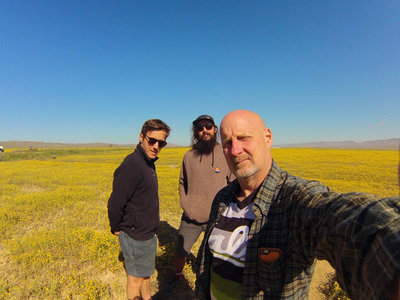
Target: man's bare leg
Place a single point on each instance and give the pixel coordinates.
(133, 287)
(145, 289)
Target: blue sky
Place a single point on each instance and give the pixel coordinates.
(94, 71)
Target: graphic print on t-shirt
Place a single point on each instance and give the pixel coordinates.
(228, 242)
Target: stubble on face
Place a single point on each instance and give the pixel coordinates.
(241, 171)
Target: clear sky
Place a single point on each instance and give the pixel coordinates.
(93, 71)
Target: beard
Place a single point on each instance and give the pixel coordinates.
(245, 173)
(205, 146)
(242, 173)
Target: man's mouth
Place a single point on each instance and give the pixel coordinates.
(240, 160)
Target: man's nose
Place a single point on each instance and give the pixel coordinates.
(236, 148)
(156, 145)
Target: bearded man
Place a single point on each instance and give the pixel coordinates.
(203, 173)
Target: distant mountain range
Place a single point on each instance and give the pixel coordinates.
(377, 144)
(35, 144)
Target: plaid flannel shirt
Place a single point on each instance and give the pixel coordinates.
(358, 234)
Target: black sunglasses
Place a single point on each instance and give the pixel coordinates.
(152, 141)
(208, 126)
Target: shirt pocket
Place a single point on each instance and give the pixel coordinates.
(270, 275)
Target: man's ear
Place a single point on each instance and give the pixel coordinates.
(141, 137)
(268, 136)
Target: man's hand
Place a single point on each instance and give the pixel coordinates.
(116, 233)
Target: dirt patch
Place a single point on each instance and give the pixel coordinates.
(322, 269)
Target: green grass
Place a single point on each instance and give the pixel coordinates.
(46, 154)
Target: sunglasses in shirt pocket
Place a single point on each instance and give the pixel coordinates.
(270, 270)
(269, 255)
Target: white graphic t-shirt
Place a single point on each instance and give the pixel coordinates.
(228, 242)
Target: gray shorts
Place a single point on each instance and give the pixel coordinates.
(189, 232)
(139, 256)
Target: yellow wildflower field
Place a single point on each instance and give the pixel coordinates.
(55, 240)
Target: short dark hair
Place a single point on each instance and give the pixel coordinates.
(154, 125)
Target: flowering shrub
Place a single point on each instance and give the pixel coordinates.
(55, 241)
(331, 289)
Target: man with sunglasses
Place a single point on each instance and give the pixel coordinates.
(133, 208)
(203, 173)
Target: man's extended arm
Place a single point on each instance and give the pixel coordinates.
(358, 234)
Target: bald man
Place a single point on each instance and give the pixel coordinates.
(267, 228)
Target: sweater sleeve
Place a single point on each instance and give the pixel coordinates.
(126, 179)
(183, 182)
(358, 234)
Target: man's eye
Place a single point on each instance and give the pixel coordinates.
(226, 144)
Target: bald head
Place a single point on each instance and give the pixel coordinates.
(250, 118)
(246, 142)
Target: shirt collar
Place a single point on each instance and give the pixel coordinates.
(269, 188)
(246, 201)
(146, 158)
(267, 191)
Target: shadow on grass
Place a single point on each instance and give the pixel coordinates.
(167, 237)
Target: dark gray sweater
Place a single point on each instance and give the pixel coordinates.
(133, 206)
